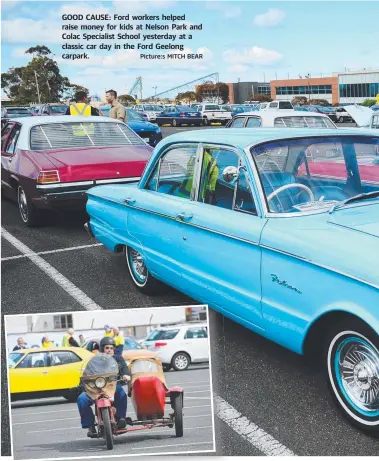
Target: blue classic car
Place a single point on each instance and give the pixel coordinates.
(179, 115)
(149, 132)
(277, 229)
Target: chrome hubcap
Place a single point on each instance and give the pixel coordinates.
(23, 205)
(359, 371)
(138, 265)
(181, 362)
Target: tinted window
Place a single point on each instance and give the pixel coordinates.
(34, 360)
(285, 105)
(196, 333)
(238, 122)
(253, 122)
(17, 110)
(58, 109)
(273, 104)
(12, 142)
(167, 334)
(212, 107)
(174, 174)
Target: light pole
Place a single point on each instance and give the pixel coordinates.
(39, 96)
(155, 92)
(308, 76)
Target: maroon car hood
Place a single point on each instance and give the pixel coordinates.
(99, 162)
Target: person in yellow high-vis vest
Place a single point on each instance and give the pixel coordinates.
(108, 331)
(209, 175)
(68, 339)
(119, 340)
(82, 108)
(46, 343)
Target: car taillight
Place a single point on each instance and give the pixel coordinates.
(160, 344)
(182, 115)
(45, 177)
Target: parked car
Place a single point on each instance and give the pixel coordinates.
(179, 115)
(282, 119)
(375, 107)
(49, 162)
(275, 105)
(212, 113)
(149, 132)
(52, 109)
(303, 249)
(364, 117)
(343, 116)
(148, 111)
(180, 345)
(13, 112)
(40, 373)
(132, 350)
(329, 111)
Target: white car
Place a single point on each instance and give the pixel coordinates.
(180, 345)
(211, 113)
(363, 116)
(148, 111)
(281, 119)
(275, 105)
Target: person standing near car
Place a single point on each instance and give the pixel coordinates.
(108, 331)
(20, 344)
(81, 106)
(46, 343)
(117, 109)
(119, 340)
(68, 339)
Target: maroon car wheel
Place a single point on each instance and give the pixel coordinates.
(28, 212)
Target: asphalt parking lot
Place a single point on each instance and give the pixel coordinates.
(57, 424)
(268, 400)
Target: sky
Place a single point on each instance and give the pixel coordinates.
(246, 40)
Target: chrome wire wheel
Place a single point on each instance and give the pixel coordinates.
(22, 204)
(356, 366)
(137, 266)
(181, 362)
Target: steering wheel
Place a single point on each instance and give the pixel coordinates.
(289, 186)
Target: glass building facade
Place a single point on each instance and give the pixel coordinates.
(304, 90)
(264, 90)
(358, 90)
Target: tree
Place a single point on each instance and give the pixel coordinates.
(126, 99)
(319, 102)
(20, 83)
(299, 101)
(71, 89)
(260, 97)
(187, 97)
(369, 102)
(212, 90)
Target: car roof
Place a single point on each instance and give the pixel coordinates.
(183, 325)
(248, 136)
(271, 114)
(29, 122)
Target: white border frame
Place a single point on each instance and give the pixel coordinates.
(107, 455)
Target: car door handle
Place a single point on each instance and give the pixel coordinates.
(43, 372)
(184, 217)
(130, 201)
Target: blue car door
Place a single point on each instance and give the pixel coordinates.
(154, 208)
(220, 242)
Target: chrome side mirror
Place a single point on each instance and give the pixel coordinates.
(230, 173)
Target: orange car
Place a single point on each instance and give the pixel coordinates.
(132, 350)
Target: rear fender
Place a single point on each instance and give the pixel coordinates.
(173, 393)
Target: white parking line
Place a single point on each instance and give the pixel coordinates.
(226, 412)
(26, 255)
(49, 270)
(249, 431)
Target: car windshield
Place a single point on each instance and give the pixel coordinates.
(186, 109)
(212, 107)
(314, 173)
(153, 108)
(58, 109)
(82, 134)
(131, 344)
(144, 366)
(134, 116)
(14, 358)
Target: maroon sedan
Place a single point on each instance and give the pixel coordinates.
(50, 162)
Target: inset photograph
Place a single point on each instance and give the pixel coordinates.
(119, 382)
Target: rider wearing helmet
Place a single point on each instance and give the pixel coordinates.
(107, 346)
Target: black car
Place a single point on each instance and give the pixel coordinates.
(179, 115)
(329, 111)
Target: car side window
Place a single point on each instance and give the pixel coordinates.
(60, 358)
(273, 104)
(238, 122)
(12, 142)
(4, 134)
(196, 333)
(173, 175)
(253, 122)
(34, 360)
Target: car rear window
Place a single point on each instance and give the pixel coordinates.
(82, 134)
(285, 105)
(18, 110)
(303, 122)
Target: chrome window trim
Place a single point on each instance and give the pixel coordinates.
(323, 266)
(116, 180)
(62, 185)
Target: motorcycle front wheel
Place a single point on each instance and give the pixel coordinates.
(105, 416)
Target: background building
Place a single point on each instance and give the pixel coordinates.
(357, 86)
(132, 322)
(241, 91)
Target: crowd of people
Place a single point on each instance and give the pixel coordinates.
(68, 340)
(80, 106)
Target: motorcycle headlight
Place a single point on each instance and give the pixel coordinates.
(100, 382)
